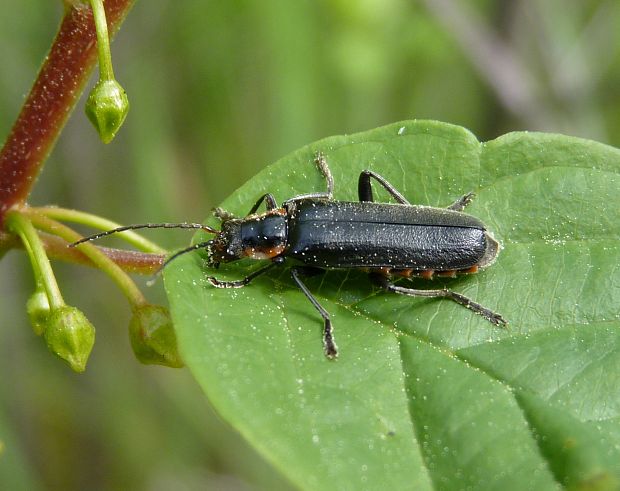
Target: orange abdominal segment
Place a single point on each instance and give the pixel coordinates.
(426, 274)
(263, 252)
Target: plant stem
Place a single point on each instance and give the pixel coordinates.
(75, 216)
(56, 248)
(103, 41)
(40, 263)
(55, 92)
(122, 280)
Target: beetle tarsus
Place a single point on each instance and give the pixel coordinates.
(321, 163)
(243, 281)
(329, 346)
(462, 202)
(227, 284)
(222, 215)
(331, 351)
(492, 317)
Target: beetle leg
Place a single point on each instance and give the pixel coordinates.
(364, 187)
(462, 202)
(244, 281)
(331, 350)
(489, 315)
(270, 203)
(222, 215)
(321, 163)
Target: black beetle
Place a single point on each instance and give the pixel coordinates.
(386, 240)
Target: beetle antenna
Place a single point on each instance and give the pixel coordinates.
(199, 245)
(206, 228)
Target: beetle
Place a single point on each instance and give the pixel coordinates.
(387, 240)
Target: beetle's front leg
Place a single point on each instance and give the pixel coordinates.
(488, 314)
(244, 281)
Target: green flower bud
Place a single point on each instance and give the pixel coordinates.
(38, 308)
(70, 336)
(152, 336)
(106, 107)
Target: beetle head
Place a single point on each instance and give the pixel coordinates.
(257, 236)
(226, 246)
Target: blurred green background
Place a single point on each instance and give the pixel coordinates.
(218, 90)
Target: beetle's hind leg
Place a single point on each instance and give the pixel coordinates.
(462, 202)
(329, 345)
(489, 315)
(364, 187)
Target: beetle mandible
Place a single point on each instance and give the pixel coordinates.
(387, 240)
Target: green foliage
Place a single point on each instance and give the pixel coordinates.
(426, 394)
(217, 90)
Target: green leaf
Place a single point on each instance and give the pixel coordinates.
(425, 394)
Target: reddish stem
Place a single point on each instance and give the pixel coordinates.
(56, 248)
(56, 90)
